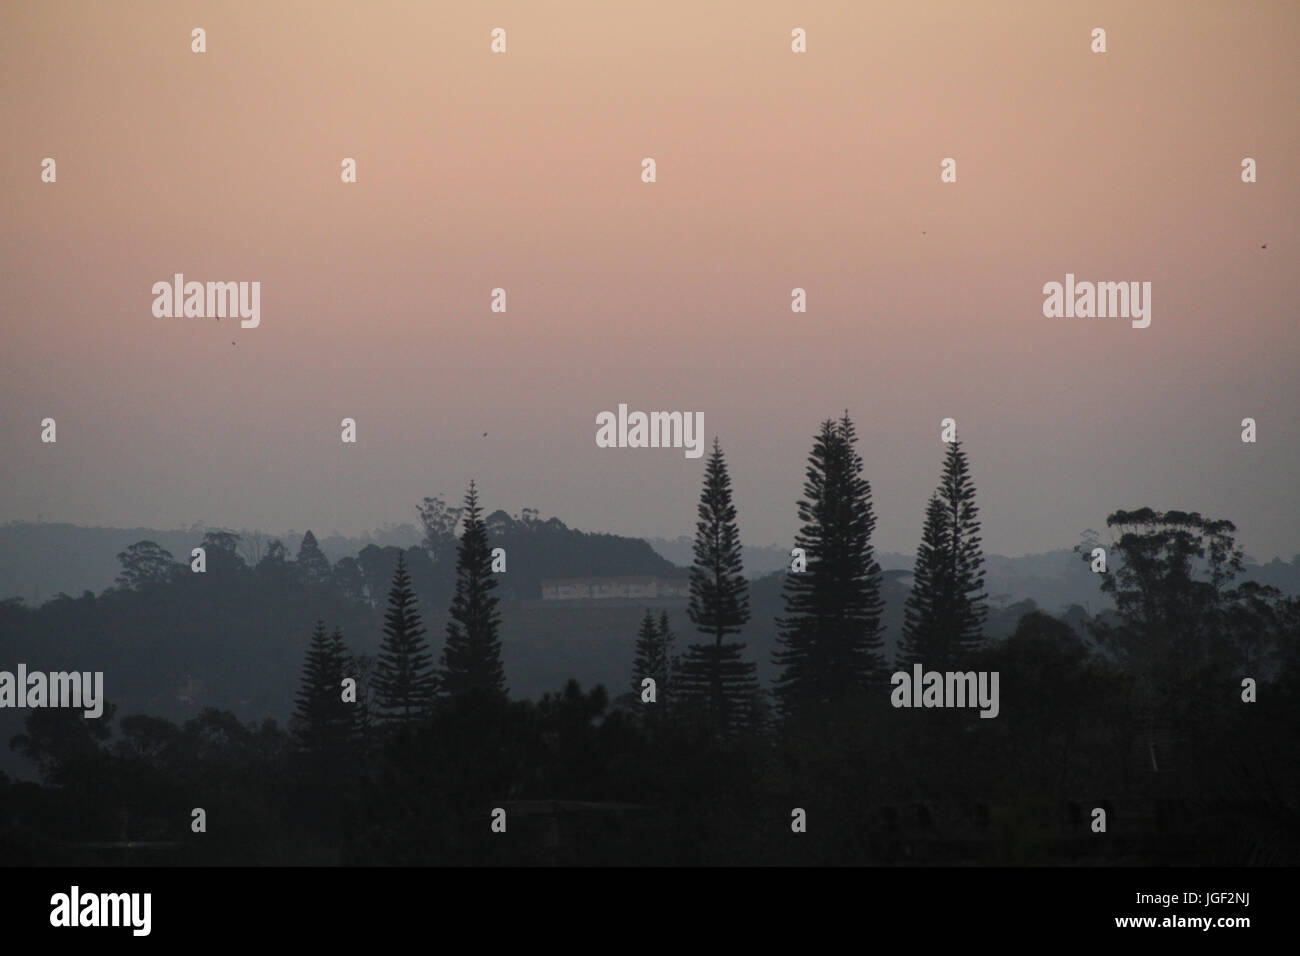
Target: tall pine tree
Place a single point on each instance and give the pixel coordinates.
(829, 642)
(653, 656)
(405, 682)
(323, 721)
(943, 620)
(925, 634)
(471, 660)
(361, 668)
(714, 674)
(646, 662)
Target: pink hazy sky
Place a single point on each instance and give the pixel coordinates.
(775, 170)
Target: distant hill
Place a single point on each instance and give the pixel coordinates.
(1054, 580)
(759, 560)
(39, 559)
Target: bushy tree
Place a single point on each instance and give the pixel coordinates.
(313, 566)
(145, 563)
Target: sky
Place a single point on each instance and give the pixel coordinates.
(774, 170)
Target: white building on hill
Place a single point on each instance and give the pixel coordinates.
(637, 586)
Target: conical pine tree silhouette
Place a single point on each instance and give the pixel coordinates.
(471, 659)
(324, 721)
(405, 681)
(943, 620)
(715, 674)
(829, 642)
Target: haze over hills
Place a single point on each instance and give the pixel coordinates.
(234, 638)
(1054, 580)
(41, 559)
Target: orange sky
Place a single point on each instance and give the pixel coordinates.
(522, 170)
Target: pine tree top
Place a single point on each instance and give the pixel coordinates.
(719, 591)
